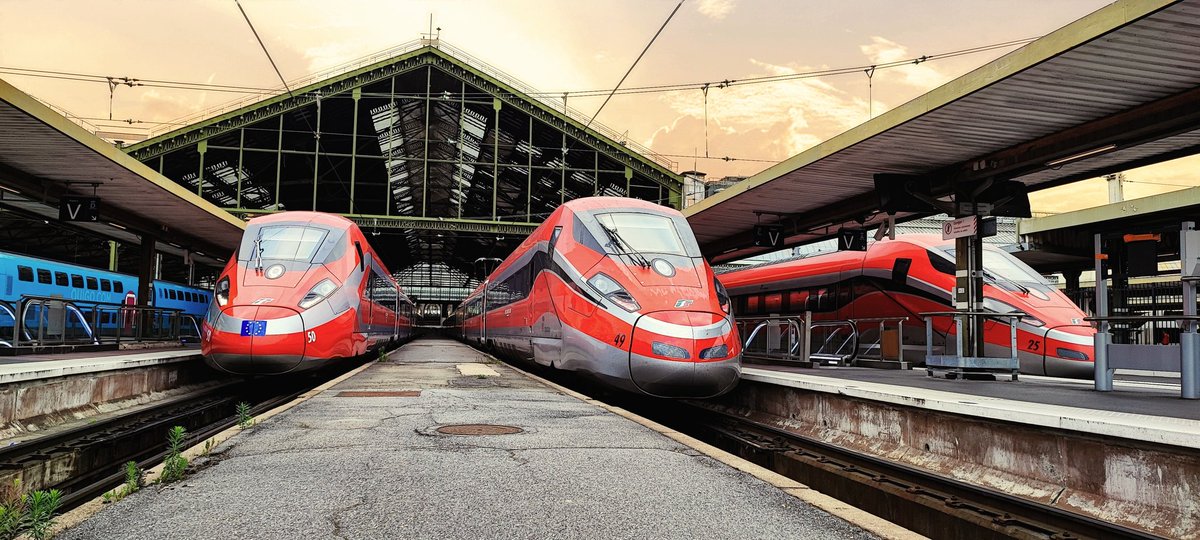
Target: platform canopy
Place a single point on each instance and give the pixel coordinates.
(45, 157)
(440, 158)
(1117, 89)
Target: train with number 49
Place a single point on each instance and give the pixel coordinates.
(614, 288)
(303, 289)
(915, 274)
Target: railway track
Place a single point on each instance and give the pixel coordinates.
(85, 461)
(924, 502)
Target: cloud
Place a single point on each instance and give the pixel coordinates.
(715, 9)
(763, 121)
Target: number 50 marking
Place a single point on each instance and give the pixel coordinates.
(312, 336)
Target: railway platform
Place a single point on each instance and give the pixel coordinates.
(1130, 457)
(440, 441)
(43, 366)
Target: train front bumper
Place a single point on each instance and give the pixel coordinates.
(254, 340)
(685, 355)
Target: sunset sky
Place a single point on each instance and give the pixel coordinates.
(558, 46)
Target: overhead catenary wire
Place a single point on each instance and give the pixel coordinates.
(635, 63)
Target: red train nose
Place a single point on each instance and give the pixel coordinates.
(255, 340)
(684, 354)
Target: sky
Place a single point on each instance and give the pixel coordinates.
(562, 46)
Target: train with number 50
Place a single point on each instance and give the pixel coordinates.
(915, 274)
(303, 289)
(615, 288)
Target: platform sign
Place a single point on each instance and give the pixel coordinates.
(852, 240)
(768, 235)
(79, 209)
(960, 228)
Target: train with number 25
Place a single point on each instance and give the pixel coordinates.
(915, 274)
(614, 288)
(303, 289)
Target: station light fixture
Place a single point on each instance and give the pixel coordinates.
(1081, 155)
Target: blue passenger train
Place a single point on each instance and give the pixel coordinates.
(21, 275)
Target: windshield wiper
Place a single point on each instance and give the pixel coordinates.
(258, 251)
(1010, 281)
(620, 244)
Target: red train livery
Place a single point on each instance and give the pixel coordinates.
(914, 274)
(303, 289)
(615, 288)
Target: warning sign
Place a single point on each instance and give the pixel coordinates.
(961, 227)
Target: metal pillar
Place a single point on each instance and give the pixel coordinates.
(112, 256)
(968, 292)
(1102, 375)
(425, 157)
(1189, 340)
(241, 151)
(278, 159)
(316, 154)
(145, 271)
(496, 154)
(356, 95)
(202, 148)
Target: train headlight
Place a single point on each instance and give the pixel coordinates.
(663, 267)
(720, 351)
(722, 295)
(610, 289)
(221, 292)
(319, 292)
(669, 351)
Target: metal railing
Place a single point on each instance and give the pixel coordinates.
(875, 353)
(46, 321)
(958, 365)
(1182, 357)
(802, 339)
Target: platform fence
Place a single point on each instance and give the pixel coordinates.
(38, 322)
(808, 341)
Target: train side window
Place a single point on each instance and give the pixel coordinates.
(900, 270)
(25, 273)
(118, 286)
(77, 281)
(92, 284)
(554, 239)
(60, 279)
(105, 285)
(171, 294)
(44, 276)
(940, 263)
(362, 263)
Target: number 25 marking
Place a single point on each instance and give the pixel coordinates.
(1034, 345)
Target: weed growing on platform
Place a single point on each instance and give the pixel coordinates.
(12, 511)
(134, 478)
(174, 465)
(208, 446)
(42, 507)
(243, 414)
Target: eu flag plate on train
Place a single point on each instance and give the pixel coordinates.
(254, 328)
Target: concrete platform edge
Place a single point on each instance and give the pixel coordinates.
(47, 369)
(1137, 427)
(859, 518)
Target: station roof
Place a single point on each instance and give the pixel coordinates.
(44, 157)
(1117, 89)
(1066, 240)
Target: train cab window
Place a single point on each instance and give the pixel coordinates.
(118, 287)
(44, 276)
(60, 279)
(940, 263)
(77, 281)
(25, 273)
(92, 284)
(105, 285)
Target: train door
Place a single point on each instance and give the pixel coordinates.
(545, 327)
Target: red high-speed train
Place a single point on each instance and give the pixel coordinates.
(303, 289)
(914, 274)
(615, 288)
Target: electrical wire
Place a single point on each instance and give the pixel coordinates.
(635, 63)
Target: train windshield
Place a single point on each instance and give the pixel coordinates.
(647, 233)
(1002, 265)
(285, 242)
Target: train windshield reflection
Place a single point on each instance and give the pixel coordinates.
(287, 243)
(646, 233)
(1000, 263)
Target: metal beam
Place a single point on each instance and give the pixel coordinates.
(419, 223)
